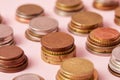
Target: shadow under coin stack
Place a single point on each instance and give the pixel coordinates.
(114, 63)
(117, 16)
(40, 26)
(102, 41)
(77, 69)
(68, 7)
(56, 47)
(84, 22)
(6, 35)
(106, 4)
(26, 12)
(12, 59)
(28, 76)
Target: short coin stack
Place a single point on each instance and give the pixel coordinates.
(77, 69)
(106, 4)
(85, 22)
(56, 47)
(40, 26)
(103, 40)
(26, 12)
(114, 63)
(68, 7)
(12, 59)
(28, 76)
(6, 35)
(117, 16)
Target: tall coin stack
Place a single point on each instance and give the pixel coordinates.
(117, 16)
(77, 69)
(114, 63)
(85, 22)
(6, 35)
(106, 4)
(12, 59)
(56, 47)
(68, 7)
(39, 27)
(103, 40)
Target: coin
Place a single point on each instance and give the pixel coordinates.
(61, 43)
(28, 76)
(105, 4)
(40, 26)
(87, 18)
(26, 12)
(105, 34)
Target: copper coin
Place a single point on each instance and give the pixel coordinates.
(54, 43)
(5, 31)
(29, 10)
(87, 18)
(15, 69)
(10, 52)
(104, 34)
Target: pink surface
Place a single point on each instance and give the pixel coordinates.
(32, 49)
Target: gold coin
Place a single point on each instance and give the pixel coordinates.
(102, 49)
(86, 27)
(58, 53)
(68, 3)
(87, 18)
(73, 67)
(77, 8)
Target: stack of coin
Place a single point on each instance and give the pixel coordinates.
(6, 35)
(85, 22)
(26, 12)
(40, 26)
(103, 40)
(28, 76)
(77, 69)
(12, 59)
(114, 63)
(117, 16)
(56, 47)
(68, 7)
(106, 4)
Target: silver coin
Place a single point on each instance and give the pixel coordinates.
(114, 67)
(116, 53)
(28, 76)
(43, 24)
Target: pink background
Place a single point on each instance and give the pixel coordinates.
(32, 49)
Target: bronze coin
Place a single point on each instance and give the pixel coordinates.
(10, 52)
(105, 34)
(54, 43)
(29, 10)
